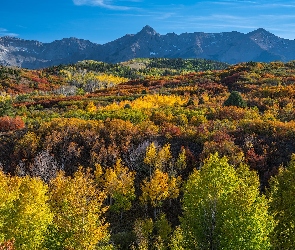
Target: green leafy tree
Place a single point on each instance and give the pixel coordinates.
(223, 208)
(163, 232)
(5, 105)
(143, 229)
(177, 239)
(235, 99)
(153, 234)
(282, 206)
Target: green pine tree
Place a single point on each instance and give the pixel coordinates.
(235, 99)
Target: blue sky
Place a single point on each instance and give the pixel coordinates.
(102, 21)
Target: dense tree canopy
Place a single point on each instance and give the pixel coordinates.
(96, 155)
(223, 208)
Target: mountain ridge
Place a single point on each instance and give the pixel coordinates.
(229, 47)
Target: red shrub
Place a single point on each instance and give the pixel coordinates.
(9, 123)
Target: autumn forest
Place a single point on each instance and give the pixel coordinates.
(148, 154)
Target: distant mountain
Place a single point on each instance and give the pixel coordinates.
(230, 47)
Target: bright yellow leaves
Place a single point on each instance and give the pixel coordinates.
(91, 107)
(157, 101)
(151, 155)
(158, 158)
(78, 208)
(31, 214)
(25, 214)
(119, 185)
(68, 215)
(150, 102)
(164, 156)
(91, 81)
(159, 188)
(160, 185)
(156, 189)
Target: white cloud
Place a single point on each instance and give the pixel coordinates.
(5, 32)
(108, 4)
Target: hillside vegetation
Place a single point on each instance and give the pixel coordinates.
(148, 154)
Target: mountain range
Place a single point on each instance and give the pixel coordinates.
(230, 47)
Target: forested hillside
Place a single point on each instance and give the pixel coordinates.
(148, 154)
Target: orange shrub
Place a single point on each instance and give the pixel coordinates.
(9, 123)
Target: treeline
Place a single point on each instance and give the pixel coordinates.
(222, 207)
(89, 76)
(143, 67)
(182, 65)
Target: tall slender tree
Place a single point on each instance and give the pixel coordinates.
(283, 207)
(78, 209)
(25, 213)
(223, 208)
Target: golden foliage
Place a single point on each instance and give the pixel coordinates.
(119, 185)
(159, 188)
(78, 210)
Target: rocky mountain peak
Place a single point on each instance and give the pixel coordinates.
(148, 30)
(260, 31)
(264, 38)
(230, 47)
(262, 34)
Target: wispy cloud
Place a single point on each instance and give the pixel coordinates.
(163, 15)
(5, 32)
(108, 4)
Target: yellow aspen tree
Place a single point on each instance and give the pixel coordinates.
(158, 188)
(155, 189)
(31, 214)
(158, 158)
(8, 193)
(163, 158)
(98, 175)
(25, 213)
(174, 187)
(151, 157)
(119, 185)
(78, 209)
(91, 108)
